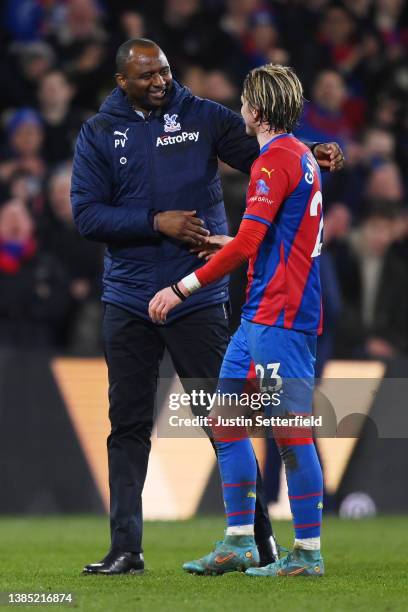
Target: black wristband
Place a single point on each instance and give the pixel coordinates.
(176, 290)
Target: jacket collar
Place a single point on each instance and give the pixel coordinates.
(118, 105)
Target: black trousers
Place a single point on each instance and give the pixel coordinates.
(134, 348)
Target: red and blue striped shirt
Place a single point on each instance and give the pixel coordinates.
(283, 276)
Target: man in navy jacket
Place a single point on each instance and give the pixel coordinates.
(146, 183)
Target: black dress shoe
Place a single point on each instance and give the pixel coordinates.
(117, 563)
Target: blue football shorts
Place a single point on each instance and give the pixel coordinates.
(275, 360)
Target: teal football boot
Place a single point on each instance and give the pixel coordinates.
(234, 554)
(299, 562)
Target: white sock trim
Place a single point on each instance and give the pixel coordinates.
(308, 543)
(240, 530)
(191, 282)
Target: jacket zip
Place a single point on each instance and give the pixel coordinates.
(153, 183)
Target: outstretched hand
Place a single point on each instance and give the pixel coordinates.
(211, 246)
(329, 156)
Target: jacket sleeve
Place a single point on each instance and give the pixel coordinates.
(91, 196)
(233, 145)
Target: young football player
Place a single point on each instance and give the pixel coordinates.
(280, 235)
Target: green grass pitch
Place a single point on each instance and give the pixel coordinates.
(366, 568)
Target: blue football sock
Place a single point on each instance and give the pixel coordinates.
(305, 486)
(237, 464)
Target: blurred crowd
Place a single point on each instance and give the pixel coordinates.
(56, 67)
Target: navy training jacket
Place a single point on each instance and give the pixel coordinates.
(126, 168)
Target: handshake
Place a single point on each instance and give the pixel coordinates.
(184, 225)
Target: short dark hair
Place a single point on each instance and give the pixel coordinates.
(122, 55)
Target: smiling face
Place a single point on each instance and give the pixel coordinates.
(147, 79)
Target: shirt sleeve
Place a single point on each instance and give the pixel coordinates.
(272, 180)
(233, 145)
(232, 255)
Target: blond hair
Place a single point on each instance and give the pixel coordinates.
(277, 94)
